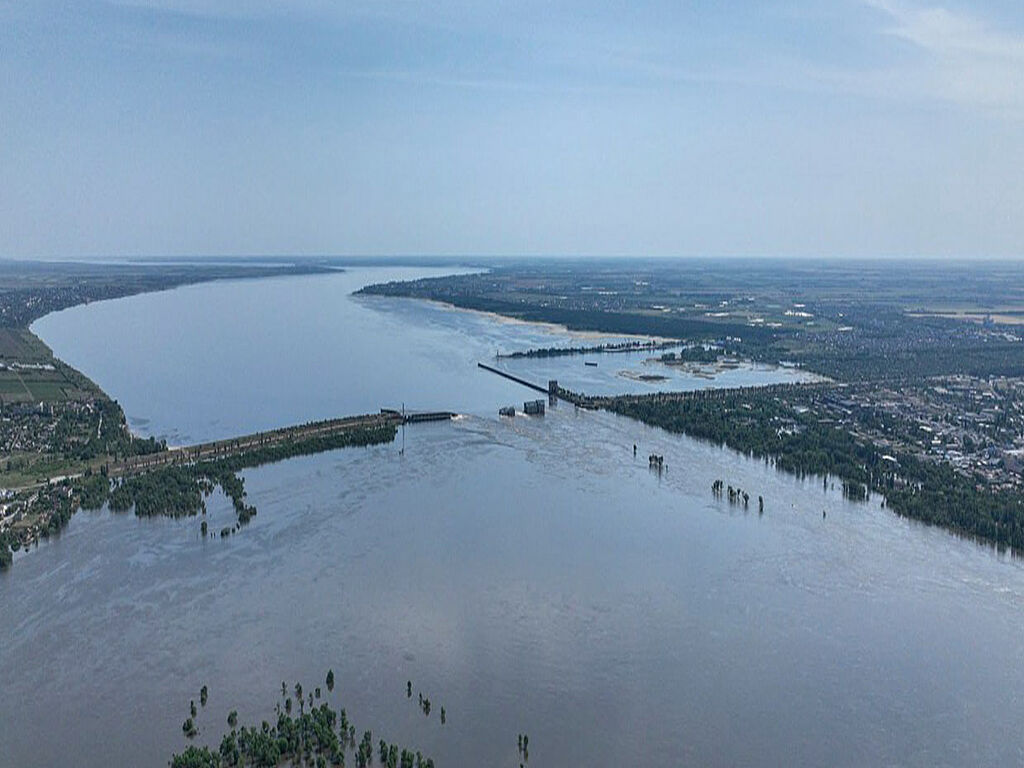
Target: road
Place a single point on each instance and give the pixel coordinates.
(220, 449)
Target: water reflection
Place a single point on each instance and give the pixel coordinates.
(530, 574)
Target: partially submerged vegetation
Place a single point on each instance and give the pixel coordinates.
(524, 747)
(924, 407)
(694, 353)
(59, 433)
(882, 330)
(775, 424)
(177, 489)
(317, 735)
(66, 469)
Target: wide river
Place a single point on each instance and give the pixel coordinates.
(528, 574)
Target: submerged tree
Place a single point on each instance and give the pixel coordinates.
(196, 757)
(309, 739)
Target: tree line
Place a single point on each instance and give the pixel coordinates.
(761, 424)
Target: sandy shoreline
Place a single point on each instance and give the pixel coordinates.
(552, 328)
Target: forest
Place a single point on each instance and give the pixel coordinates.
(761, 424)
(624, 346)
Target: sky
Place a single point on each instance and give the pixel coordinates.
(838, 128)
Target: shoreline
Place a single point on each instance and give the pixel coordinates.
(546, 326)
(31, 327)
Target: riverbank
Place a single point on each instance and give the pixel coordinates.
(493, 552)
(552, 327)
(175, 482)
(782, 424)
(516, 556)
(59, 429)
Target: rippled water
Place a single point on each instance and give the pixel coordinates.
(527, 574)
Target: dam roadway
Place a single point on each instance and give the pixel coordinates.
(220, 449)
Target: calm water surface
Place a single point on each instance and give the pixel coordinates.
(527, 574)
(620, 373)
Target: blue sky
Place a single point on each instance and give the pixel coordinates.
(831, 129)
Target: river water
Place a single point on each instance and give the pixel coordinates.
(527, 574)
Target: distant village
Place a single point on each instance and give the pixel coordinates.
(975, 424)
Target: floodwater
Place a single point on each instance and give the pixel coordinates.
(528, 574)
(222, 359)
(642, 372)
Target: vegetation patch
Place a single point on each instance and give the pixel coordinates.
(306, 730)
(175, 490)
(773, 424)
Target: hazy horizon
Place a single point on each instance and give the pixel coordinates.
(469, 259)
(188, 128)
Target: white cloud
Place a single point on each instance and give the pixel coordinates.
(967, 60)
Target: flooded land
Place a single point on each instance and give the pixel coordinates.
(533, 574)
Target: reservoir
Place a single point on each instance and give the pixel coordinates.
(530, 574)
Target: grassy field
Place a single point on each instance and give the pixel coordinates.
(22, 345)
(29, 376)
(25, 469)
(29, 373)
